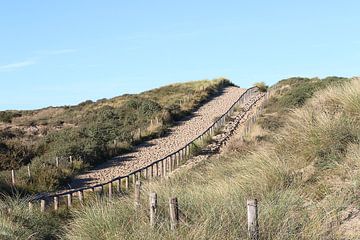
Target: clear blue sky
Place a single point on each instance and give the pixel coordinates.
(64, 52)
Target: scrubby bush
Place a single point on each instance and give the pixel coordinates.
(7, 116)
(88, 131)
(261, 86)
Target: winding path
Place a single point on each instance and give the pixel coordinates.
(178, 136)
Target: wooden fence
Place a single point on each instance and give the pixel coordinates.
(158, 168)
(174, 213)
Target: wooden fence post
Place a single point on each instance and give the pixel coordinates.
(157, 169)
(42, 205)
(153, 208)
(174, 213)
(81, 197)
(13, 177)
(28, 170)
(146, 173)
(152, 171)
(69, 200)
(56, 203)
(171, 163)
(101, 190)
(127, 183)
(118, 186)
(137, 194)
(57, 161)
(177, 159)
(30, 206)
(110, 185)
(162, 168)
(252, 217)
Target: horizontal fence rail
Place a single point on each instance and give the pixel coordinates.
(159, 168)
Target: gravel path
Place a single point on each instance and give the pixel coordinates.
(179, 135)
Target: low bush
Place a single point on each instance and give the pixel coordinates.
(261, 86)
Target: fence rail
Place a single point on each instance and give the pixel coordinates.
(159, 168)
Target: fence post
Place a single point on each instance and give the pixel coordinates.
(57, 161)
(252, 217)
(152, 171)
(13, 177)
(127, 183)
(81, 197)
(153, 208)
(42, 205)
(134, 178)
(118, 186)
(30, 206)
(137, 194)
(157, 169)
(101, 190)
(56, 203)
(174, 213)
(28, 170)
(110, 189)
(70, 159)
(170, 161)
(69, 200)
(146, 173)
(162, 169)
(177, 159)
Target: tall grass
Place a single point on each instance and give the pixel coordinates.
(18, 222)
(305, 180)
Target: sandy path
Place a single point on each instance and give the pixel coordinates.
(158, 148)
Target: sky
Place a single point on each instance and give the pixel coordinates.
(56, 53)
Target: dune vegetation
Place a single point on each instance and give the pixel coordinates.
(305, 175)
(90, 132)
(301, 161)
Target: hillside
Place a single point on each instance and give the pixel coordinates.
(301, 160)
(304, 174)
(92, 132)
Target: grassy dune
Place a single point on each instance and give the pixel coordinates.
(306, 178)
(89, 130)
(305, 172)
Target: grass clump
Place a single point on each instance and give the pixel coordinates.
(290, 94)
(18, 222)
(261, 86)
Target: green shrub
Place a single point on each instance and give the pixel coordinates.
(7, 116)
(261, 86)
